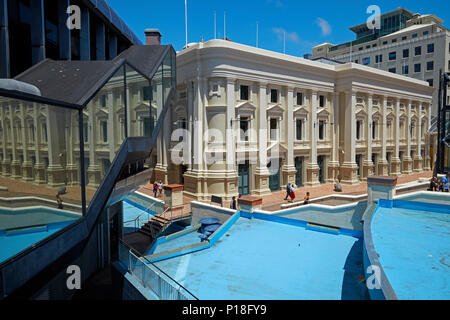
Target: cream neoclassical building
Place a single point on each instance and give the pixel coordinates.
(258, 119)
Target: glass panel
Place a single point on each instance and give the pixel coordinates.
(40, 190)
(104, 131)
(142, 112)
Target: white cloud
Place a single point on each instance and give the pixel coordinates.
(324, 25)
(290, 36)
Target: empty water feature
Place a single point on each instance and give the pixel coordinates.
(23, 227)
(267, 257)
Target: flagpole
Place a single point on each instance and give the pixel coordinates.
(185, 20)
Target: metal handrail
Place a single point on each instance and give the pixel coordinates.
(148, 262)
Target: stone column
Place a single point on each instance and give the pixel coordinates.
(37, 31)
(27, 167)
(407, 160)
(395, 162)
(333, 166)
(289, 170)
(349, 168)
(368, 165)
(312, 169)
(190, 124)
(94, 169)
(16, 166)
(85, 35)
(231, 176)
(39, 166)
(418, 157)
(63, 32)
(56, 138)
(381, 188)
(6, 163)
(193, 178)
(262, 173)
(4, 40)
(110, 102)
(382, 163)
(428, 140)
(72, 133)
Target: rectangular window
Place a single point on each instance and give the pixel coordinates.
(366, 61)
(405, 70)
(430, 65)
(299, 98)
(405, 53)
(103, 101)
(244, 128)
(392, 55)
(85, 132)
(394, 40)
(358, 130)
(321, 101)
(374, 130)
(425, 33)
(105, 131)
(430, 82)
(414, 35)
(299, 130)
(418, 51)
(392, 70)
(274, 96)
(44, 132)
(430, 48)
(321, 130)
(404, 38)
(384, 42)
(273, 129)
(244, 93)
(417, 67)
(147, 93)
(379, 58)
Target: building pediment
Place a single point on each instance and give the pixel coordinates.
(376, 114)
(301, 111)
(275, 109)
(101, 113)
(361, 112)
(323, 113)
(276, 146)
(245, 107)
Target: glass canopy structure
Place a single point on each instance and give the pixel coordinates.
(63, 152)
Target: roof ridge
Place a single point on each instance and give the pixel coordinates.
(32, 68)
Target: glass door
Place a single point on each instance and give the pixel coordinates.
(244, 186)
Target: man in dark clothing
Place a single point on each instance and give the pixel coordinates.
(233, 204)
(288, 191)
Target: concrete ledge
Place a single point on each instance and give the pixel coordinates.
(250, 201)
(382, 181)
(174, 187)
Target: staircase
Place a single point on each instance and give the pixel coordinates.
(157, 225)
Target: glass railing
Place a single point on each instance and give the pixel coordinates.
(151, 277)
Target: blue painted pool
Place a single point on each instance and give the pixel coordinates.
(412, 240)
(257, 259)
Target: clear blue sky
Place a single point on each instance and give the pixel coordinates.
(306, 23)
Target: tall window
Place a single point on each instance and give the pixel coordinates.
(244, 128)
(374, 130)
(85, 132)
(379, 58)
(105, 131)
(321, 101)
(366, 61)
(244, 93)
(299, 129)
(430, 48)
(430, 65)
(273, 129)
(147, 93)
(44, 132)
(103, 101)
(32, 137)
(405, 69)
(358, 130)
(321, 130)
(274, 96)
(299, 98)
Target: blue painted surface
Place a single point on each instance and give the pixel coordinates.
(413, 243)
(186, 240)
(13, 243)
(132, 211)
(256, 259)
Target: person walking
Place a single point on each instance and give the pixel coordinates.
(292, 193)
(444, 182)
(288, 191)
(160, 188)
(155, 189)
(233, 205)
(59, 202)
(306, 199)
